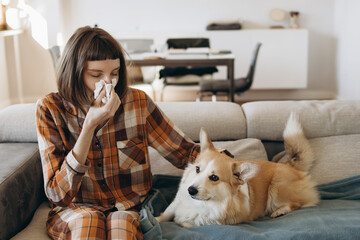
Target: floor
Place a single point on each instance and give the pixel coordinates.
(190, 93)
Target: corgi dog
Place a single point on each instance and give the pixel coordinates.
(216, 189)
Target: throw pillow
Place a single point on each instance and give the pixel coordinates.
(249, 148)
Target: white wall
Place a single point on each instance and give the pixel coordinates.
(26, 69)
(27, 73)
(51, 12)
(346, 18)
(330, 46)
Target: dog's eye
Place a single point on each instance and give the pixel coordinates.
(197, 169)
(214, 178)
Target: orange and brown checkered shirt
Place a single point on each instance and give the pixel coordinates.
(117, 171)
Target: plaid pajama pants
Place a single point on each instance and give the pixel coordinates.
(85, 222)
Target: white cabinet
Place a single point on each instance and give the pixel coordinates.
(282, 61)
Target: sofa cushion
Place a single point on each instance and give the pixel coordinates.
(251, 149)
(17, 123)
(337, 157)
(266, 120)
(21, 186)
(36, 230)
(222, 120)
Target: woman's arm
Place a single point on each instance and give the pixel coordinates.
(97, 114)
(168, 139)
(63, 171)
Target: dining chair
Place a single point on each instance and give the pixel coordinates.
(55, 55)
(139, 77)
(223, 86)
(185, 76)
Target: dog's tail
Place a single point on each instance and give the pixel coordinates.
(297, 147)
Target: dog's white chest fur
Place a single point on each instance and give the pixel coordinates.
(192, 212)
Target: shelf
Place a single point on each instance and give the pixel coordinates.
(7, 33)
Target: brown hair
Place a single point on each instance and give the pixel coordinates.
(87, 44)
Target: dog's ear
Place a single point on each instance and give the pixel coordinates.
(226, 152)
(205, 142)
(244, 171)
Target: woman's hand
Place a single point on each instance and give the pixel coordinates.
(99, 111)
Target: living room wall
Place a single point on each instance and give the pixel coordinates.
(328, 51)
(139, 18)
(348, 74)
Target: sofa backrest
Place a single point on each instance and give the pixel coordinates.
(266, 120)
(222, 120)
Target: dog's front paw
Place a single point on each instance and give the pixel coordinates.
(161, 218)
(187, 225)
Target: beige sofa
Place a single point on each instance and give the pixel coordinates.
(251, 131)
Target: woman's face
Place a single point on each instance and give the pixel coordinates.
(100, 70)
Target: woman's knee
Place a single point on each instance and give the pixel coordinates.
(123, 225)
(87, 219)
(79, 224)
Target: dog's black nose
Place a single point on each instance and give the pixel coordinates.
(192, 191)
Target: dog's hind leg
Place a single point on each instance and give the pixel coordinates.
(284, 210)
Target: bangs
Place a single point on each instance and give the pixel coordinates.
(101, 49)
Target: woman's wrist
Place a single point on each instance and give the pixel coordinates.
(82, 145)
(88, 126)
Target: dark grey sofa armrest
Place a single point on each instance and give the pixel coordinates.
(21, 186)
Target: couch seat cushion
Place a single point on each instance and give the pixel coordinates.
(36, 230)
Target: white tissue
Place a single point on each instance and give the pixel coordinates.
(98, 87)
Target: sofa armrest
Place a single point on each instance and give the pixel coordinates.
(17, 123)
(21, 186)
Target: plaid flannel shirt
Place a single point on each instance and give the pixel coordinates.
(117, 170)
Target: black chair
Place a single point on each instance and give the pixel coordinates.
(55, 55)
(185, 76)
(223, 86)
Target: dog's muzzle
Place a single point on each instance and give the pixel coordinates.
(192, 191)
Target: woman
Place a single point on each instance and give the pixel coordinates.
(95, 155)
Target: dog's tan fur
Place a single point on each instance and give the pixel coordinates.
(216, 189)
